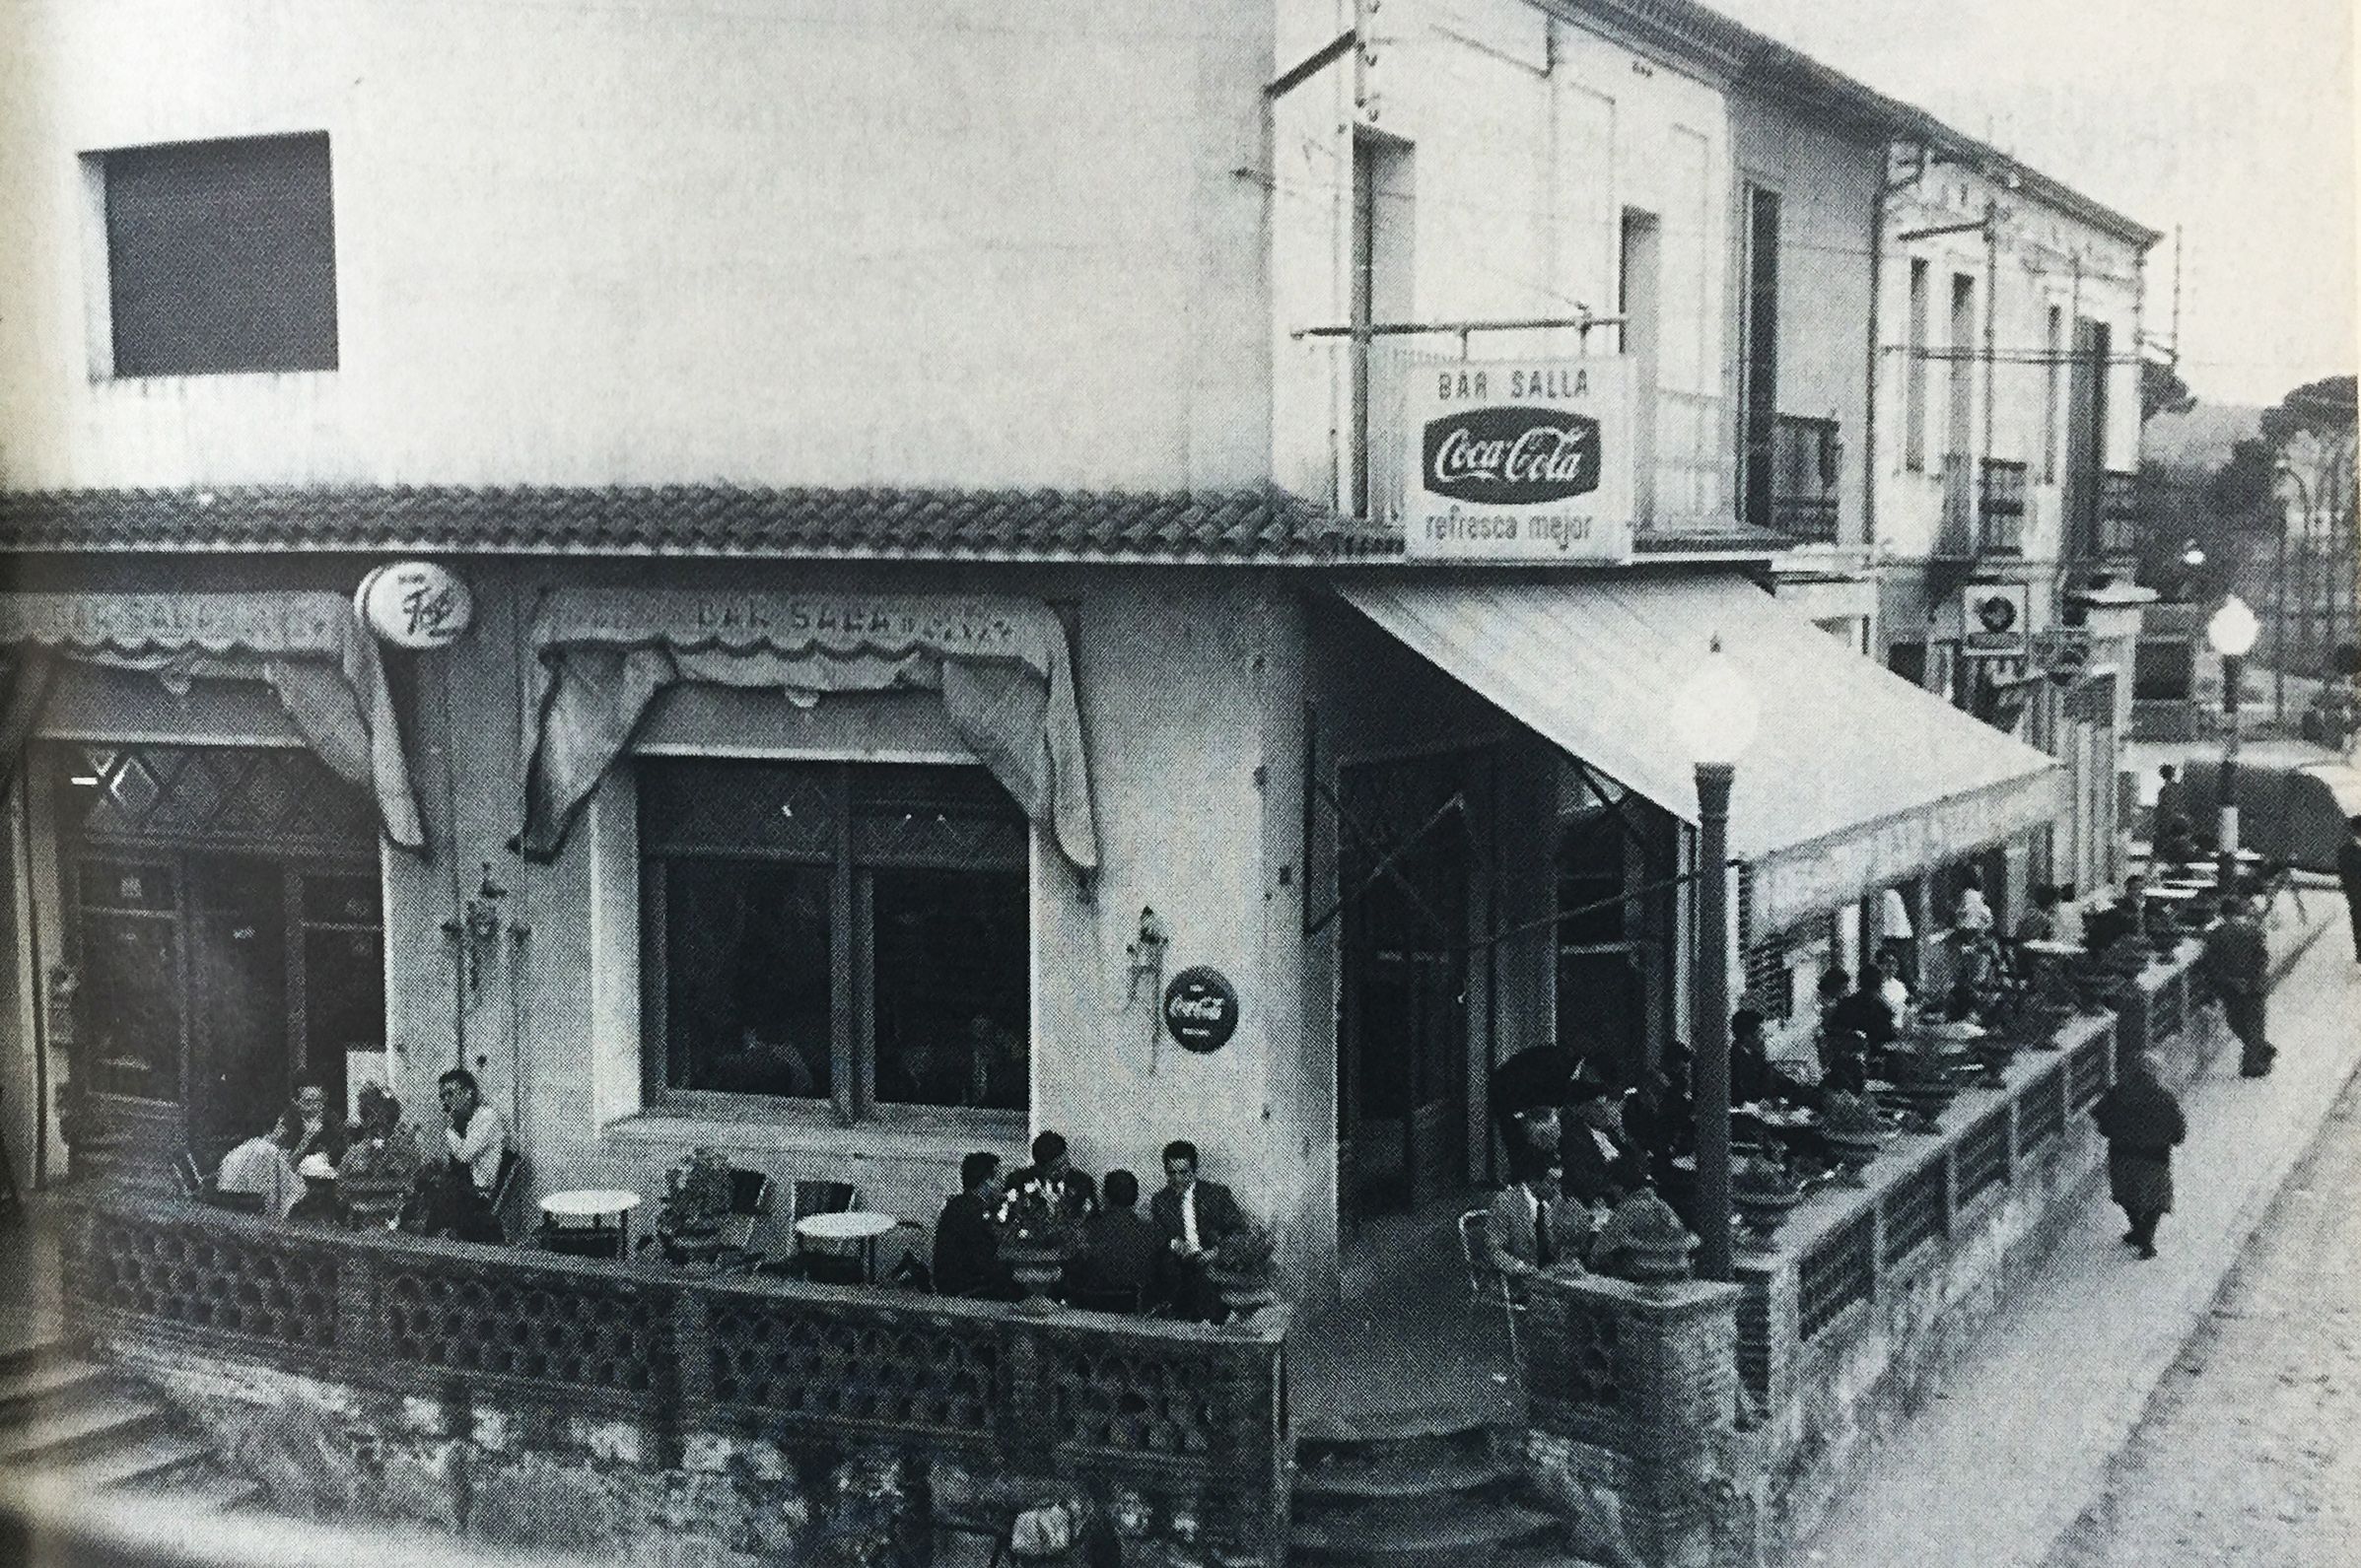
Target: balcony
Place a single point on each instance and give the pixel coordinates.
(1807, 458)
(2120, 511)
(1984, 509)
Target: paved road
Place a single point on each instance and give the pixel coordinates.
(2250, 1454)
(1994, 1471)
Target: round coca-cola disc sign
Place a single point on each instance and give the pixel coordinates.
(1201, 1010)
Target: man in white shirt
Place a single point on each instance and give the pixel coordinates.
(457, 1193)
(475, 1137)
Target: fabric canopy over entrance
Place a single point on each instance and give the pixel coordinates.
(1857, 778)
(310, 649)
(603, 657)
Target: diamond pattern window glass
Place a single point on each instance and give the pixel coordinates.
(856, 934)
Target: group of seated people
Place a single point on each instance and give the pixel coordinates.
(309, 1165)
(1121, 1262)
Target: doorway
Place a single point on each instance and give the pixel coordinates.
(223, 918)
(1402, 1057)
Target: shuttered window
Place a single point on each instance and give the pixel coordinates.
(221, 256)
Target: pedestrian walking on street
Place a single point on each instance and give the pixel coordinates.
(2141, 1122)
(2171, 802)
(2348, 872)
(2238, 963)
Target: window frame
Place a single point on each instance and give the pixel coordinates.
(853, 1047)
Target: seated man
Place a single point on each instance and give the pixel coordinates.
(1599, 1165)
(310, 1128)
(1532, 1226)
(1121, 1251)
(1192, 1218)
(455, 1193)
(967, 1250)
(258, 1174)
(1053, 1171)
(1752, 1075)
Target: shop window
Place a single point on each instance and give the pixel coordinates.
(853, 934)
(221, 256)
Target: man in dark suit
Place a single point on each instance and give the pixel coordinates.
(2238, 962)
(1121, 1252)
(1192, 1218)
(967, 1251)
(1599, 1165)
(1052, 1171)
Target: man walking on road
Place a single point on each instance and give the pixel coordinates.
(2141, 1122)
(2238, 962)
(2348, 872)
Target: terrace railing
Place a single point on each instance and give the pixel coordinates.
(1174, 1409)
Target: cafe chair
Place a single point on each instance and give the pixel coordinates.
(507, 1185)
(749, 1203)
(188, 1177)
(582, 1241)
(1488, 1286)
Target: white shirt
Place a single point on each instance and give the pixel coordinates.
(1897, 997)
(479, 1148)
(1188, 1208)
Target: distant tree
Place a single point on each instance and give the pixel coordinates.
(2241, 488)
(2162, 391)
(2326, 407)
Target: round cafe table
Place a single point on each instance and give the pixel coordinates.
(852, 1225)
(596, 1206)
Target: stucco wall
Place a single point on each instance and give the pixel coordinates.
(826, 242)
(1189, 689)
(1828, 189)
(2046, 260)
(1527, 138)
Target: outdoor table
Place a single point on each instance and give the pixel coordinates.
(596, 1206)
(852, 1225)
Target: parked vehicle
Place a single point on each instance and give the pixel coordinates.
(2299, 814)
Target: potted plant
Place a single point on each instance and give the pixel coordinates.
(1240, 1270)
(1850, 1127)
(1037, 1236)
(1762, 1191)
(1644, 1241)
(696, 1205)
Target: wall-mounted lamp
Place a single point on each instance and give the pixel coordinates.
(476, 931)
(1146, 952)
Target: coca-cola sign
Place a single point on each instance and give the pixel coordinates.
(1512, 456)
(1530, 460)
(1201, 1010)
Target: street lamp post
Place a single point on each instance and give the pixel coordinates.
(2231, 632)
(1717, 714)
(2284, 470)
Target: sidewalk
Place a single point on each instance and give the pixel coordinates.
(2005, 1458)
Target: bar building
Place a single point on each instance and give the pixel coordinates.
(936, 506)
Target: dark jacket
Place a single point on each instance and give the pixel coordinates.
(2348, 868)
(2238, 958)
(1120, 1251)
(1592, 1173)
(1863, 1013)
(967, 1253)
(1218, 1215)
(2141, 1122)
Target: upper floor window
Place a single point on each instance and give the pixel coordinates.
(221, 256)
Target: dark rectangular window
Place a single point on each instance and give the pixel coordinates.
(1913, 386)
(1759, 369)
(221, 256)
(852, 934)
